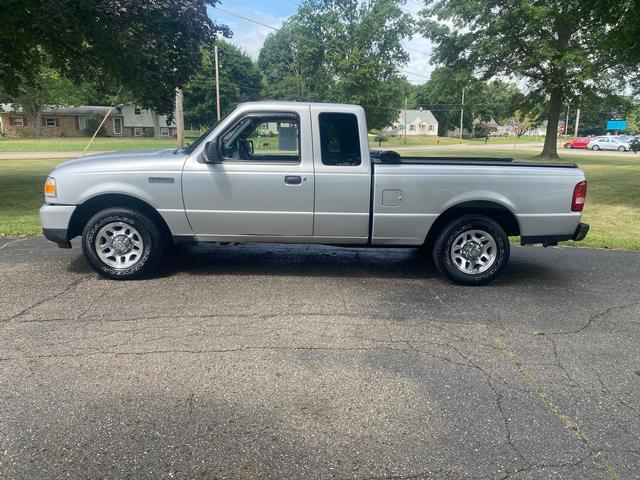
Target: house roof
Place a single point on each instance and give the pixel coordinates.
(422, 116)
(80, 110)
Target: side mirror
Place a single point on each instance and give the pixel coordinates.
(211, 152)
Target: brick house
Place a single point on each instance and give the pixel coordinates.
(123, 121)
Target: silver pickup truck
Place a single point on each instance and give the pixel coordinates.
(303, 173)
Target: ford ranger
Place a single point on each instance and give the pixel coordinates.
(302, 173)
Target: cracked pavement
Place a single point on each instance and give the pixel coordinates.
(269, 361)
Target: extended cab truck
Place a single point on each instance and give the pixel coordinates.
(303, 173)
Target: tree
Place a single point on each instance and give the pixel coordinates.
(240, 81)
(596, 110)
(149, 46)
(342, 51)
(291, 62)
(46, 89)
(562, 49)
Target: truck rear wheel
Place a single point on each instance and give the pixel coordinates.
(471, 250)
(122, 244)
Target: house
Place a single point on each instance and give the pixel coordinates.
(414, 122)
(139, 122)
(123, 120)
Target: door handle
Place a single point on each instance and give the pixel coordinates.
(293, 180)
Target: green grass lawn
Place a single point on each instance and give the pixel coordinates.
(612, 209)
(433, 141)
(78, 144)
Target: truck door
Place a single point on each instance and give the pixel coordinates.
(343, 175)
(262, 185)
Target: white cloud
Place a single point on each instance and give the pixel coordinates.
(247, 35)
(418, 69)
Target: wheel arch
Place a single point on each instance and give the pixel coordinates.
(93, 205)
(494, 210)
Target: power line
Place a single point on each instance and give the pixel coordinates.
(275, 29)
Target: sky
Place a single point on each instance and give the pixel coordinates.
(249, 36)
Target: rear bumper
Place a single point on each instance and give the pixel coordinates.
(581, 232)
(549, 240)
(55, 221)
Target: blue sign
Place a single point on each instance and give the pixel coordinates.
(616, 125)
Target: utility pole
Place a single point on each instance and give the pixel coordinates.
(461, 114)
(179, 118)
(215, 49)
(577, 122)
(406, 127)
(566, 123)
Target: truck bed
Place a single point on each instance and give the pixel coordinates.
(388, 158)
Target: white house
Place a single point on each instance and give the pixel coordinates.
(139, 122)
(415, 122)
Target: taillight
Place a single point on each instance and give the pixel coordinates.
(579, 196)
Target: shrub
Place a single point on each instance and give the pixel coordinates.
(381, 137)
(92, 124)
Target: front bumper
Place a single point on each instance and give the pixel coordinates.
(55, 221)
(551, 240)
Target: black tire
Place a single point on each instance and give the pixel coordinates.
(442, 250)
(569, 146)
(595, 148)
(622, 149)
(152, 243)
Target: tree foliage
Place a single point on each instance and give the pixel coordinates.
(563, 49)
(341, 51)
(46, 89)
(240, 81)
(149, 46)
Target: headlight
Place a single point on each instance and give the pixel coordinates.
(50, 188)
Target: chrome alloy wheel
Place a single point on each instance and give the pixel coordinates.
(119, 245)
(474, 251)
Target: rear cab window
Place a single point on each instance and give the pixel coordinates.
(339, 139)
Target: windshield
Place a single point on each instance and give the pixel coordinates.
(192, 146)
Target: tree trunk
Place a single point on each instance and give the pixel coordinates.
(36, 122)
(550, 149)
(156, 125)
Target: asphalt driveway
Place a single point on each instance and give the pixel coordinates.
(315, 362)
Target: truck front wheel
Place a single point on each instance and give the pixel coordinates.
(122, 244)
(471, 250)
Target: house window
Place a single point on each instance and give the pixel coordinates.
(412, 128)
(18, 122)
(431, 128)
(164, 131)
(50, 122)
(137, 111)
(82, 123)
(138, 131)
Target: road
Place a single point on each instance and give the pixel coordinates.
(291, 362)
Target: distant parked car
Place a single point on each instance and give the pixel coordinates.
(578, 143)
(609, 143)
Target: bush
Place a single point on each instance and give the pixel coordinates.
(635, 146)
(92, 124)
(381, 137)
